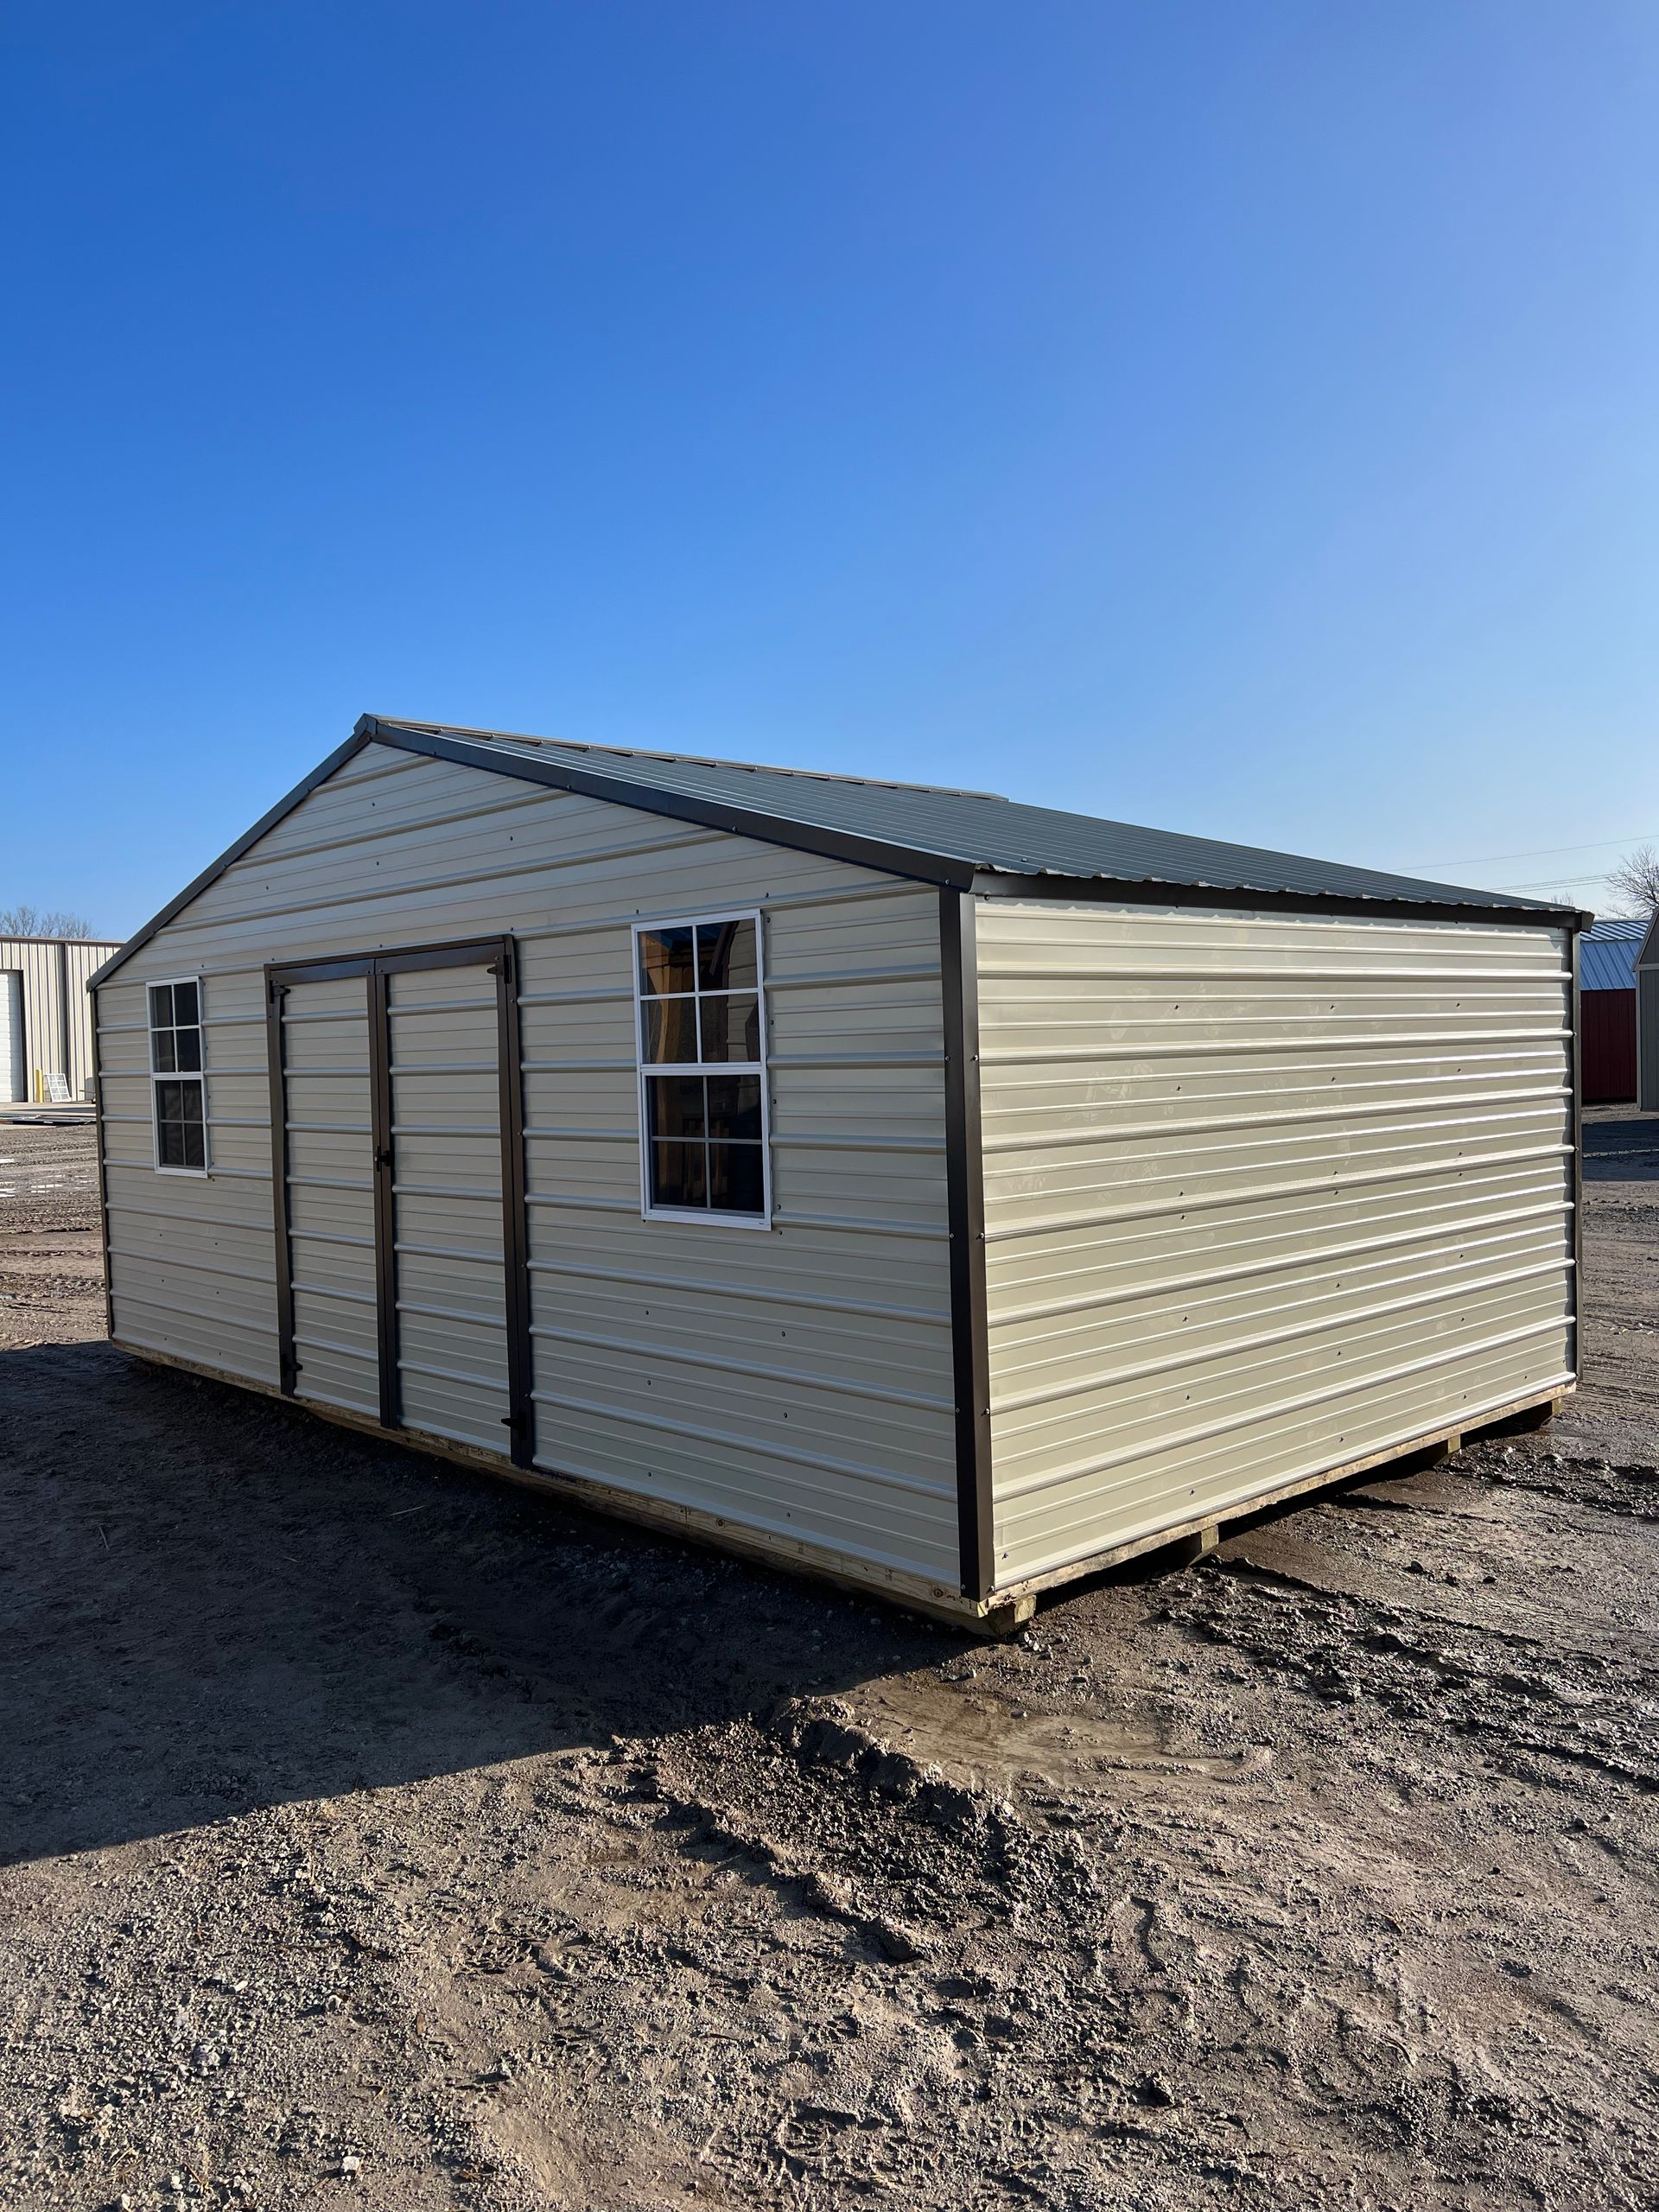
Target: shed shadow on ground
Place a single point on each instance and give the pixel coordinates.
(1621, 1148)
(210, 1602)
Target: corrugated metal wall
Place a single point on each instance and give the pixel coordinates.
(1607, 1021)
(1647, 1039)
(452, 1315)
(330, 1190)
(1262, 1196)
(797, 1384)
(54, 974)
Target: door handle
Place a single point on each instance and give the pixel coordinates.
(382, 1155)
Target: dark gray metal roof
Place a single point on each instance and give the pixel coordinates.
(977, 831)
(957, 839)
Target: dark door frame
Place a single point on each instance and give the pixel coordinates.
(497, 957)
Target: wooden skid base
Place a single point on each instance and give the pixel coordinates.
(1517, 1414)
(1000, 1615)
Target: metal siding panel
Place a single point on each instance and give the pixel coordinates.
(330, 1182)
(201, 1333)
(449, 1222)
(698, 1369)
(843, 1513)
(333, 1266)
(466, 1285)
(446, 1126)
(1647, 1035)
(1054, 1350)
(338, 1206)
(857, 1268)
(1262, 1195)
(200, 1205)
(230, 1248)
(907, 1359)
(1188, 1477)
(181, 1287)
(475, 1348)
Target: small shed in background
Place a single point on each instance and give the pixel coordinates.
(1607, 956)
(46, 1018)
(1647, 1020)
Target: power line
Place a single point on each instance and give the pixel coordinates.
(1543, 853)
(1552, 883)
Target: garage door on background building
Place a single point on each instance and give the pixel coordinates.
(14, 1071)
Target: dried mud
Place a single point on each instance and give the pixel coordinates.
(373, 1833)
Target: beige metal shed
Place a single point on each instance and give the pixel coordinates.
(940, 1194)
(46, 1018)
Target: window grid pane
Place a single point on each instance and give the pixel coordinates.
(700, 1010)
(176, 1058)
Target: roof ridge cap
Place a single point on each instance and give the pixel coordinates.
(681, 759)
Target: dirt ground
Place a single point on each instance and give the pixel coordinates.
(373, 1832)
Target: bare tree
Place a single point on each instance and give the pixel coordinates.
(41, 921)
(1634, 883)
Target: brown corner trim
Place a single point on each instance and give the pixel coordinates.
(1576, 1047)
(521, 1404)
(276, 1062)
(103, 1173)
(965, 1197)
(386, 1204)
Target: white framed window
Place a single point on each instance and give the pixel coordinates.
(178, 1088)
(700, 1003)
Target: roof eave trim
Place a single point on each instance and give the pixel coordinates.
(1000, 883)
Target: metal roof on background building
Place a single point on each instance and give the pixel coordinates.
(1607, 956)
(958, 839)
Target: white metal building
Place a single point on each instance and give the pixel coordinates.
(942, 1194)
(46, 1018)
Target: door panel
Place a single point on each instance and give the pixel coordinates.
(330, 1193)
(400, 1233)
(447, 1210)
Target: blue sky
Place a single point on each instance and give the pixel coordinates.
(1235, 418)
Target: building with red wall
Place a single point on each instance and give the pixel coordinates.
(1607, 1009)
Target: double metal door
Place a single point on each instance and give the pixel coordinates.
(397, 1150)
